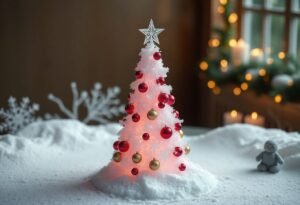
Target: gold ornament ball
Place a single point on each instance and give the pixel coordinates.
(152, 114)
(187, 149)
(154, 164)
(181, 133)
(137, 158)
(117, 156)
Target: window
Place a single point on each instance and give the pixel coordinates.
(273, 25)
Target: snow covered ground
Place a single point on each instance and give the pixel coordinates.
(52, 162)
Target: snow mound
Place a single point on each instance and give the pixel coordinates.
(190, 184)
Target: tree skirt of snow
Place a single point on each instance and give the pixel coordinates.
(189, 184)
(53, 162)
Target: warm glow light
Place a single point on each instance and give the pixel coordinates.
(262, 72)
(216, 90)
(223, 63)
(248, 76)
(244, 86)
(233, 113)
(233, 17)
(270, 61)
(290, 83)
(221, 9)
(237, 91)
(223, 2)
(281, 55)
(256, 52)
(278, 98)
(254, 115)
(203, 65)
(211, 84)
(232, 42)
(214, 42)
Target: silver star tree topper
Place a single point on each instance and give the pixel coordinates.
(151, 33)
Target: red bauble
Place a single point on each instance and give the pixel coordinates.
(177, 126)
(128, 97)
(134, 171)
(143, 87)
(136, 117)
(171, 99)
(138, 74)
(182, 167)
(176, 113)
(166, 132)
(161, 81)
(129, 109)
(177, 151)
(116, 145)
(146, 136)
(123, 146)
(163, 98)
(161, 105)
(157, 55)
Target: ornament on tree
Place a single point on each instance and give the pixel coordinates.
(129, 109)
(143, 87)
(146, 136)
(187, 149)
(116, 145)
(182, 167)
(177, 126)
(117, 156)
(135, 171)
(123, 146)
(154, 164)
(136, 117)
(152, 114)
(177, 151)
(163, 98)
(171, 99)
(138, 74)
(137, 158)
(161, 81)
(181, 133)
(166, 132)
(161, 105)
(157, 56)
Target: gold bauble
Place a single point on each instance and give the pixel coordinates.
(181, 133)
(137, 158)
(152, 114)
(117, 156)
(187, 149)
(154, 164)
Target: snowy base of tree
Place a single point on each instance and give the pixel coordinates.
(191, 184)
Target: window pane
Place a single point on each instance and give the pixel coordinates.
(252, 29)
(296, 5)
(253, 3)
(274, 33)
(295, 38)
(276, 4)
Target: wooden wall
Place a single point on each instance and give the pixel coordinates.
(44, 45)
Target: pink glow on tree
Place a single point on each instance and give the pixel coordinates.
(151, 139)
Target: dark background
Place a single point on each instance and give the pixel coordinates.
(44, 45)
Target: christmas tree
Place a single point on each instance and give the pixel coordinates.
(150, 150)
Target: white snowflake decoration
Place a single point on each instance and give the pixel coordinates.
(100, 107)
(151, 33)
(17, 116)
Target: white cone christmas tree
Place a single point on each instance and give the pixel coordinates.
(151, 142)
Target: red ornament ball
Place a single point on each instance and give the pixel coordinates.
(178, 126)
(157, 55)
(136, 117)
(177, 151)
(171, 99)
(143, 87)
(128, 97)
(161, 105)
(146, 136)
(163, 98)
(161, 81)
(176, 113)
(166, 132)
(138, 74)
(182, 167)
(134, 171)
(123, 146)
(129, 109)
(116, 145)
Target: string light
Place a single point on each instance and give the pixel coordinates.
(270, 61)
(254, 115)
(244, 86)
(262, 72)
(248, 76)
(211, 84)
(221, 9)
(214, 42)
(224, 65)
(281, 55)
(233, 17)
(232, 43)
(278, 98)
(290, 83)
(216, 90)
(223, 2)
(233, 113)
(203, 65)
(237, 91)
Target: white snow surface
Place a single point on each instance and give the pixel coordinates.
(52, 162)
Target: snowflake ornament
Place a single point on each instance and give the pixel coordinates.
(18, 115)
(99, 107)
(151, 33)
